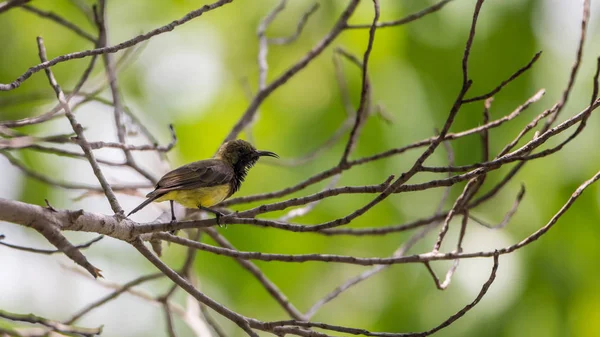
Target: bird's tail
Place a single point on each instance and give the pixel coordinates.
(144, 204)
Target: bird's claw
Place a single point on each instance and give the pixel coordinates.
(172, 222)
(218, 216)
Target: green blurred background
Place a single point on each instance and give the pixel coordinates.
(198, 77)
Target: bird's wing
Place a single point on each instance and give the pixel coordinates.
(204, 173)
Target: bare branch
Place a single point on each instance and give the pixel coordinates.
(211, 321)
(401, 251)
(336, 170)
(463, 311)
(410, 18)
(55, 326)
(505, 82)
(6, 5)
(48, 251)
(66, 185)
(238, 319)
(444, 324)
(314, 52)
(575, 68)
(299, 27)
(97, 304)
(263, 45)
(112, 199)
(271, 287)
(365, 93)
(169, 319)
(52, 222)
(462, 199)
(70, 154)
(23, 141)
(508, 216)
(444, 285)
(52, 233)
(311, 205)
(113, 49)
(61, 21)
(114, 89)
(155, 147)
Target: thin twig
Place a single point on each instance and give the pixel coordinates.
(48, 251)
(261, 95)
(401, 251)
(575, 68)
(336, 170)
(71, 154)
(410, 18)
(419, 258)
(460, 313)
(311, 205)
(61, 21)
(111, 73)
(62, 184)
(55, 326)
(211, 321)
(240, 320)
(169, 319)
(512, 77)
(365, 93)
(508, 216)
(110, 195)
(299, 28)
(263, 45)
(6, 5)
(271, 287)
(123, 289)
(147, 147)
(112, 49)
(54, 111)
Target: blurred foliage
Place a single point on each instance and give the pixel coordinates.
(416, 74)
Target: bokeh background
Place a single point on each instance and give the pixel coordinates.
(197, 77)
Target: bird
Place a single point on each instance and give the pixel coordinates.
(205, 183)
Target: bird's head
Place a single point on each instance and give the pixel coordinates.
(241, 155)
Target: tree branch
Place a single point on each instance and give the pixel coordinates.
(113, 49)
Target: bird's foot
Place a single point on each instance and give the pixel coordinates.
(172, 222)
(218, 215)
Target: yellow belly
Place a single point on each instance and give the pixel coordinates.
(205, 196)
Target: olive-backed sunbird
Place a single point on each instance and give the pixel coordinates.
(205, 183)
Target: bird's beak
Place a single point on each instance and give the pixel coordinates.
(267, 153)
